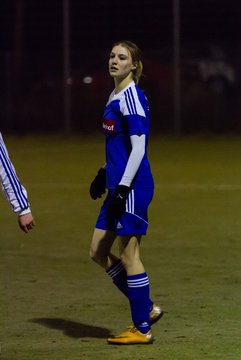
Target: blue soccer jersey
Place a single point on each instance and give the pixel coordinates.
(126, 114)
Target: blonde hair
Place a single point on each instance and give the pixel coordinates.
(136, 56)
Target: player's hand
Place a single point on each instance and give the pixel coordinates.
(117, 206)
(26, 222)
(97, 187)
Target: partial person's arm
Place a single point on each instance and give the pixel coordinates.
(14, 191)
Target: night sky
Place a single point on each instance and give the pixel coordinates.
(31, 48)
(96, 24)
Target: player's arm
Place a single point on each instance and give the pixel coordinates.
(98, 185)
(15, 193)
(137, 153)
(118, 203)
(26, 221)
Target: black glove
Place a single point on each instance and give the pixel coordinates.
(97, 187)
(117, 206)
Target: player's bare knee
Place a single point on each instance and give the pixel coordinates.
(127, 261)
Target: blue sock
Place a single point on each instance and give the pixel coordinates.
(118, 274)
(138, 294)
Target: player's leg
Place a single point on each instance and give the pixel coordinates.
(103, 237)
(144, 312)
(138, 293)
(135, 221)
(133, 264)
(137, 281)
(100, 252)
(102, 241)
(129, 251)
(100, 248)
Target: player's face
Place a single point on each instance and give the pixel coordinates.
(120, 63)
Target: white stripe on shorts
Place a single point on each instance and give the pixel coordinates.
(130, 204)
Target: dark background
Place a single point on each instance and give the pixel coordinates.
(31, 51)
(98, 23)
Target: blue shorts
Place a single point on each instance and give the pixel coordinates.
(135, 219)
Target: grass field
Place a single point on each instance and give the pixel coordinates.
(58, 305)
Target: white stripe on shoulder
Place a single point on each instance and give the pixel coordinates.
(131, 104)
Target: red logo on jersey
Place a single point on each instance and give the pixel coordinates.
(108, 125)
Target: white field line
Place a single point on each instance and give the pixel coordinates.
(191, 186)
(204, 187)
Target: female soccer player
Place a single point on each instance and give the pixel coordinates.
(15, 192)
(128, 178)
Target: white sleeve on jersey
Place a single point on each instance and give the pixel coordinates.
(14, 191)
(135, 158)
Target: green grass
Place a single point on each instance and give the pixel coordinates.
(58, 305)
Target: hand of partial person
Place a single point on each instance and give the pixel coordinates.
(26, 222)
(97, 187)
(117, 206)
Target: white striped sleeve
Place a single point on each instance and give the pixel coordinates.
(14, 191)
(131, 104)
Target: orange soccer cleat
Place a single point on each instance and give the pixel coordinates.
(130, 337)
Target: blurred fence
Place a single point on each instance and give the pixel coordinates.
(32, 92)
